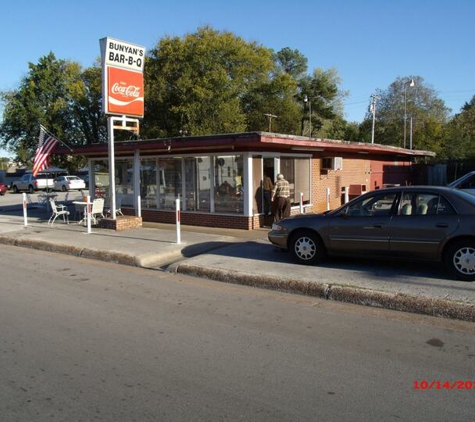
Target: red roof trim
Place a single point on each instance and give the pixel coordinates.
(255, 141)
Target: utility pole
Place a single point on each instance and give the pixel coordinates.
(410, 83)
(270, 116)
(306, 100)
(374, 98)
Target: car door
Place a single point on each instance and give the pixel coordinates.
(362, 228)
(419, 234)
(24, 182)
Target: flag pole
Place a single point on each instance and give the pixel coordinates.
(55, 137)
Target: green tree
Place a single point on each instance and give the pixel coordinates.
(89, 121)
(4, 163)
(321, 99)
(398, 106)
(196, 85)
(459, 134)
(59, 96)
(291, 62)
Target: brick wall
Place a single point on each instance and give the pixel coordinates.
(353, 172)
(197, 219)
(121, 223)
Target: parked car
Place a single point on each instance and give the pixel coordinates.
(3, 189)
(466, 183)
(30, 183)
(65, 183)
(426, 223)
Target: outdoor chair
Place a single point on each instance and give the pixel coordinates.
(58, 211)
(97, 209)
(118, 204)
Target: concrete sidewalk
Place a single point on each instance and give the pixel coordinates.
(247, 258)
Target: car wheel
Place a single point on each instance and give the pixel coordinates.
(15, 189)
(460, 260)
(307, 248)
(31, 189)
(63, 188)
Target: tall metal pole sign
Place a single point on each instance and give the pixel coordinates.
(122, 93)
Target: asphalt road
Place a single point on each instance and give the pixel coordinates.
(86, 340)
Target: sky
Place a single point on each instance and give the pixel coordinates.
(369, 42)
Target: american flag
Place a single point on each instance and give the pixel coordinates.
(46, 144)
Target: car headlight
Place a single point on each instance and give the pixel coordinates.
(276, 226)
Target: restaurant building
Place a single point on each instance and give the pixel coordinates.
(219, 178)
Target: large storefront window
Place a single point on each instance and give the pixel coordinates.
(228, 183)
(161, 182)
(193, 179)
(124, 186)
(171, 183)
(297, 172)
(197, 184)
(149, 185)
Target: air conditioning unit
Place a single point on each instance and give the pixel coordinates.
(332, 163)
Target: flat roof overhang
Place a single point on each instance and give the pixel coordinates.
(243, 142)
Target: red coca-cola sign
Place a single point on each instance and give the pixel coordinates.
(125, 91)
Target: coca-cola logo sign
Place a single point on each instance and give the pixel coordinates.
(125, 92)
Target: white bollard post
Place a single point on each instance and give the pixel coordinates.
(139, 206)
(347, 194)
(178, 228)
(301, 203)
(328, 199)
(25, 217)
(88, 214)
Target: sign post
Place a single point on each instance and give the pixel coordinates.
(122, 93)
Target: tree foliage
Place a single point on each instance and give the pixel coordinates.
(58, 95)
(459, 134)
(206, 82)
(402, 103)
(197, 85)
(291, 62)
(215, 82)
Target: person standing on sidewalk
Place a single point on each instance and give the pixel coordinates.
(281, 194)
(268, 186)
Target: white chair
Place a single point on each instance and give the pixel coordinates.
(97, 209)
(58, 211)
(118, 204)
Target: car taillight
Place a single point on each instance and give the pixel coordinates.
(35, 182)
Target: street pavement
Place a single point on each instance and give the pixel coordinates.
(242, 257)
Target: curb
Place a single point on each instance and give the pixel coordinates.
(99, 255)
(393, 301)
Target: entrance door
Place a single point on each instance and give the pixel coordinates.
(260, 167)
